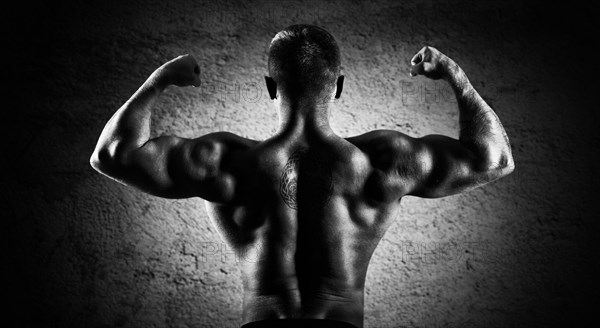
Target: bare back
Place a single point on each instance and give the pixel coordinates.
(308, 218)
(305, 209)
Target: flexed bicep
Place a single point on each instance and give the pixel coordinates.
(173, 167)
(167, 166)
(482, 152)
(430, 167)
(447, 167)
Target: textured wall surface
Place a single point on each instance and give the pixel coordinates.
(83, 251)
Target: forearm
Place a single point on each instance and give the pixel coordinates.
(480, 127)
(129, 128)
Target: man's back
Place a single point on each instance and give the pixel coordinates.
(309, 213)
(304, 209)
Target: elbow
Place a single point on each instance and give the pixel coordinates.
(505, 166)
(510, 167)
(106, 161)
(101, 160)
(508, 162)
(497, 167)
(95, 161)
(506, 170)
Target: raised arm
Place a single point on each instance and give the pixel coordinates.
(435, 165)
(166, 166)
(482, 152)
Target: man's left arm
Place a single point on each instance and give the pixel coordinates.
(167, 166)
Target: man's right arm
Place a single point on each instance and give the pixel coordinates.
(482, 152)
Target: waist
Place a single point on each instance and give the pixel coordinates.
(345, 306)
(299, 323)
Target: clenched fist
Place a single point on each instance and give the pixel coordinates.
(182, 71)
(432, 63)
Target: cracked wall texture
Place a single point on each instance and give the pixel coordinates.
(83, 251)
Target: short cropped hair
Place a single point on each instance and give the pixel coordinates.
(304, 60)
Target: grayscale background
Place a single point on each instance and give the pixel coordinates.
(83, 251)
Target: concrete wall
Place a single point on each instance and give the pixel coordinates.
(83, 251)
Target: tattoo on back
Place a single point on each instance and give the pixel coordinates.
(306, 179)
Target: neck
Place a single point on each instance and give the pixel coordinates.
(303, 117)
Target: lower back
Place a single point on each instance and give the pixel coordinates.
(306, 216)
(293, 304)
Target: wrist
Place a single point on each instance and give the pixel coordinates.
(449, 68)
(160, 79)
(455, 76)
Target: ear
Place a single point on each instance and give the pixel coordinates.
(271, 87)
(339, 87)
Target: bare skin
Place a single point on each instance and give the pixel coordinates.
(305, 209)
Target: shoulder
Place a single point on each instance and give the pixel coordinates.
(210, 157)
(387, 148)
(218, 143)
(227, 139)
(380, 138)
(214, 160)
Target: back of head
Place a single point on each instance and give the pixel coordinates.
(304, 60)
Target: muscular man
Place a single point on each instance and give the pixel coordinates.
(312, 204)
